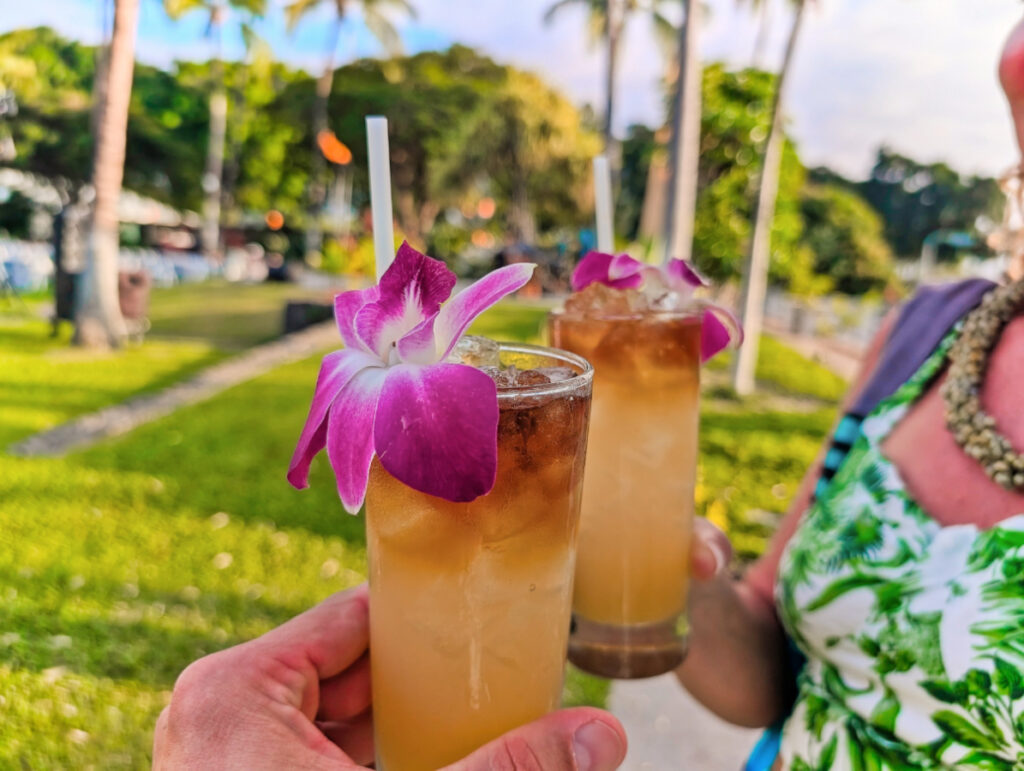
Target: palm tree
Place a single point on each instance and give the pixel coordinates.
(755, 275)
(98, 320)
(608, 20)
(685, 143)
(209, 237)
(375, 19)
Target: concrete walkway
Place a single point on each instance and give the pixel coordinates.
(669, 731)
(121, 418)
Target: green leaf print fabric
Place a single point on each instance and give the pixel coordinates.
(914, 632)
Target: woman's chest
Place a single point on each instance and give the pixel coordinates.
(947, 484)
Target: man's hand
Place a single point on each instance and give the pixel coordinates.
(299, 697)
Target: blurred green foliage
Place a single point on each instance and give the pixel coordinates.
(845, 236)
(440, 106)
(915, 199)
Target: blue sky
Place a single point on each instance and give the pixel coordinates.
(917, 75)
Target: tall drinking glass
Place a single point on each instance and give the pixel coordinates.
(632, 575)
(470, 602)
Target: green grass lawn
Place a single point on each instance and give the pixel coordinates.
(44, 382)
(125, 562)
(230, 316)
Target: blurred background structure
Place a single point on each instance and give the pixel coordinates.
(183, 182)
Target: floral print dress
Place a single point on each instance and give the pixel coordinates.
(913, 632)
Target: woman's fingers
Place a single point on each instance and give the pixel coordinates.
(710, 552)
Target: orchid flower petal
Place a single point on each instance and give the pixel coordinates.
(411, 291)
(459, 313)
(716, 334)
(622, 272)
(436, 429)
(336, 371)
(593, 268)
(682, 272)
(346, 305)
(350, 435)
(625, 268)
(419, 346)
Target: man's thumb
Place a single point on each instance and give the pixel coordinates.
(581, 739)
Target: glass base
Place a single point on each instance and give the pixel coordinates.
(628, 652)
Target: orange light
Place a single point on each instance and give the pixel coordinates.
(482, 239)
(486, 208)
(333, 148)
(274, 219)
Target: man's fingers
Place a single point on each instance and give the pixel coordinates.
(346, 695)
(328, 637)
(581, 739)
(160, 739)
(354, 737)
(710, 552)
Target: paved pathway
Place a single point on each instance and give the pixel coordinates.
(121, 418)
(669, 731)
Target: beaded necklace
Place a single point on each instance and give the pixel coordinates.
(974, 429)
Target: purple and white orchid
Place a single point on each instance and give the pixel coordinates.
(433, 424)
(719, 326)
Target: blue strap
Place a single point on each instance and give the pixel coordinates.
(766, 750)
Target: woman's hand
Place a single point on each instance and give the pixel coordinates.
(299, 697)
(710, 551)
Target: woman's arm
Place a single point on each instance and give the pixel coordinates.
(737, 665)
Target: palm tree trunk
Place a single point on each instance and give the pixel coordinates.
(98, 320)
(764, 27)
(214, 173)
(755, 279)
(684, 162)
(318, 167)
(614, 35)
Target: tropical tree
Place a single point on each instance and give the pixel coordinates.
(98, 321)
(374, 15)
(845, 236)
(607, 20)
(526, 143)
(755, 277)
(685, 142)
(215, 11)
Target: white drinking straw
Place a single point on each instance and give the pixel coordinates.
(380, 192)
(603, 204)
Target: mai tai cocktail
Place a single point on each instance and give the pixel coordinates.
(470, 458)
(646, 337)
(471, 601)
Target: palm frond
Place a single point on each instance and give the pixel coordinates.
(382, 29)
(402, 6)
(253, 7)
(178, 8)
(555, 8)
(666, 33)
(295, 10)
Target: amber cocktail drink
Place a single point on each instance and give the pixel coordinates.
(629, 608)
(470, 602)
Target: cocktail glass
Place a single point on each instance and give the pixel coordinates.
(470, 602)
(632, 575)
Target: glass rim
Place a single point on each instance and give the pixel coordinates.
(583, 379)
(694, 312)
